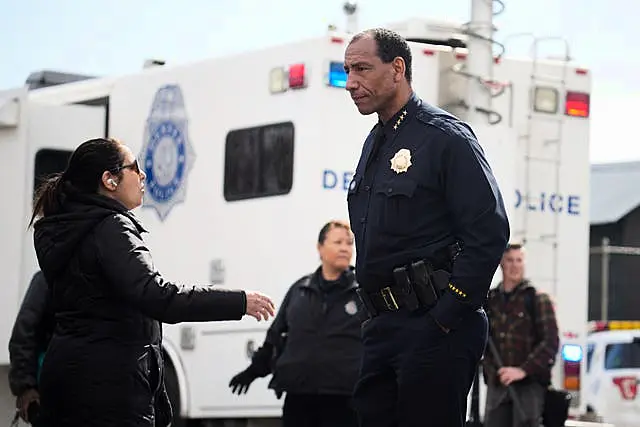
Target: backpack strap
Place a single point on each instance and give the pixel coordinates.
(530, 302)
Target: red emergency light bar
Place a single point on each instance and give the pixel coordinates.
(614, 325)
(297, 77)
(577, 104)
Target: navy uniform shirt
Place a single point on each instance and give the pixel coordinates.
(442, 191)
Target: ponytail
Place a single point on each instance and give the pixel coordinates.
(47, 200)
(83, 174)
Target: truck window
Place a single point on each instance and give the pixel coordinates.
(622, 355)
(259, 162)
(48, 161)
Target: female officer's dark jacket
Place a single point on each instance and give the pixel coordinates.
(104, 363)
(30, 336)
(313, 345)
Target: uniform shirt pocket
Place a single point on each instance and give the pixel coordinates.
(397, 188)
(396, 202)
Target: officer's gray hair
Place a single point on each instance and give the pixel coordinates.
(390, 46)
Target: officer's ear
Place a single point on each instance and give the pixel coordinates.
(503, 260)
(398, 67)
(319, 248)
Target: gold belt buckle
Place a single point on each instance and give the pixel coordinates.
(389, 300)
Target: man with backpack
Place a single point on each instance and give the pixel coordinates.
(524, 334)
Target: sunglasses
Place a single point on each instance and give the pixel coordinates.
(133, 166)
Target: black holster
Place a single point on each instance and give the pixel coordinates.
(423, 283)
(415, 286)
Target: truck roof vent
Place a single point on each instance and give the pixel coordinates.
(429, 31)
(47, 78)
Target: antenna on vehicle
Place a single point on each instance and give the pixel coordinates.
(350, 8)
(149, 63)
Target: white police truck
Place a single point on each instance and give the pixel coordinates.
(258, 153)
(613, 371)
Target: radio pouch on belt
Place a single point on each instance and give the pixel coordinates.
(402, 280)
(440, 280)
(423, 285)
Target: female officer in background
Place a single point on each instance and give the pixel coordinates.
(315, 340)
(104, 363)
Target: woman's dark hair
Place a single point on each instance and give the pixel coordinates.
(322, 236)
(83, 173)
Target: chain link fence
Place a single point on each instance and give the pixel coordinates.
(614, 276)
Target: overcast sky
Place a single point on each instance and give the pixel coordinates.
(104, 37)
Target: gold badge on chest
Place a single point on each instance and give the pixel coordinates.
(401, 161)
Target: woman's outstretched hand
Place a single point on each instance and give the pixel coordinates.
(259, 306)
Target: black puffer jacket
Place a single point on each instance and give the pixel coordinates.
(30, 336)
(104, 364)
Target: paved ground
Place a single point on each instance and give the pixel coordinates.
(7, 402)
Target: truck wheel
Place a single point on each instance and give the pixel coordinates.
(173, 390)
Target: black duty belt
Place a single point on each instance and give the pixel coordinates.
(416, 285)
(390, 298)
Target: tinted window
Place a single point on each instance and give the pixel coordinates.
(623, 355)
(49, 161)
(259, 162)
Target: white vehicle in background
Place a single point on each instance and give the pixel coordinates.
(256, 152)
(613, 372)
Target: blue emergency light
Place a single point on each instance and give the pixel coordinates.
(571, 353)
(337, 75)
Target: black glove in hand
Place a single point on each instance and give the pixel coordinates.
(241, 382)
(24, 401)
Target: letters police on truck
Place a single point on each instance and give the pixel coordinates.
(245, 156)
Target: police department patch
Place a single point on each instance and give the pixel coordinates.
(167, 155)
(351, 308)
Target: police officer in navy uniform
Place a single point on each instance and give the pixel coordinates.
(430, 228)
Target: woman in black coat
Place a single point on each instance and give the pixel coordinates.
(313, 347)
(104, 364)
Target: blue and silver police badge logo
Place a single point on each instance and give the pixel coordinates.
(167, 155)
